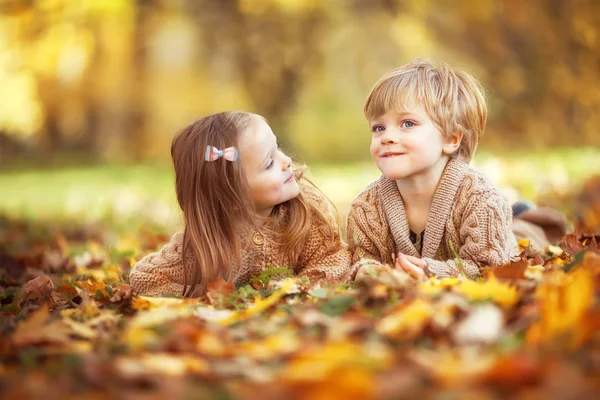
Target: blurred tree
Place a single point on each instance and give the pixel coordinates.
(116, 79)
(541, 60)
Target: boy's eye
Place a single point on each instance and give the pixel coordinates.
(270, 164)
(407, 124)
(378, 128)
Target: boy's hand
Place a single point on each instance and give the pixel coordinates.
(411, 265)
(368, 271)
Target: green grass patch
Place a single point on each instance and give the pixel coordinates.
(128, 195)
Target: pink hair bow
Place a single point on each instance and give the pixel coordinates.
(213, 154)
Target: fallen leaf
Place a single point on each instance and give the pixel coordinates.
(39, 288)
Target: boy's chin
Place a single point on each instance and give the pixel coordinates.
(393, 175)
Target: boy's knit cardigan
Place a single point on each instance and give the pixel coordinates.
(324, 257)
(467, 211)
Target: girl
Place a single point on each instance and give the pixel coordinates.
(246, 206)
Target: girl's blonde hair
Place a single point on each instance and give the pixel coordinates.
(215, 199)
(453, 99)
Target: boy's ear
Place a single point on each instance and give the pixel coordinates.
(452, 142)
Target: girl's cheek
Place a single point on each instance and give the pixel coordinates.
(276, 187)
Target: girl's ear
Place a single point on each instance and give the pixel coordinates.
(452, 142)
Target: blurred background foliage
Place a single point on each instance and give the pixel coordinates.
(111, 81)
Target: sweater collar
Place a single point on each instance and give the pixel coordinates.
(441, 206)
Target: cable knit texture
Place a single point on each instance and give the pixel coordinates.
(467, 211)
(324, 257)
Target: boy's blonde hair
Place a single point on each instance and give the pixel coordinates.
(453, 99)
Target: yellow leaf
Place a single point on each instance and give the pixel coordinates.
(523, 244)
(565, 299)
(283, 343)
(321, 361)
(260, 304)
(210, 344)
(148, 302)
(406, 321)
(490, 289)
(435, 285)
(455, 367)
(174, 365)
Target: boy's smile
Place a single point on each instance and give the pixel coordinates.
(390, 154)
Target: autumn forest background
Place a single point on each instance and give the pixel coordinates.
(93, 91)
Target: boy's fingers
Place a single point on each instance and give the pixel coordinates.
(417, 261)
(410, 268)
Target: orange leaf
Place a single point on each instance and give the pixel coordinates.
(514, 371)
(219, 288)
(512, 272)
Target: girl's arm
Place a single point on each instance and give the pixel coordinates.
(325, 257)
(161, 273)
(486, 238)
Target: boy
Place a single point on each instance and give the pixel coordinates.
(426, 121)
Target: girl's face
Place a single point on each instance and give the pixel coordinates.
(268, 170)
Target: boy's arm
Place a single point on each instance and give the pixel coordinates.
(367, 236)
(486, 237)
(161, 272)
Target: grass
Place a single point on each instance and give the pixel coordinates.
(126, 196)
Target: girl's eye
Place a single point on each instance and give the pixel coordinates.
(377, 128)
(407, 124)
(270, 164)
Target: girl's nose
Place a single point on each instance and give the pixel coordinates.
(287, 162)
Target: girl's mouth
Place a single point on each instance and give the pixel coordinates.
(289, 179)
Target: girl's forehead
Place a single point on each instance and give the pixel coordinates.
(257, 140)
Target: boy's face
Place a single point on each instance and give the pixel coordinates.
(406, 143)
(268, 170)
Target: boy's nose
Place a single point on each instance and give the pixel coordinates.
(389, 139)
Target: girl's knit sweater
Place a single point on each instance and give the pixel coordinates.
(323, 257)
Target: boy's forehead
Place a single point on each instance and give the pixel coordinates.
(391, 99)
(400, 107)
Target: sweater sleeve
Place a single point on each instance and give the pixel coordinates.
(161, 272)
(325, 257)
(367, 233)
(485, 238)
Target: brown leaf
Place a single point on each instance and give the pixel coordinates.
(68, 289)
(512, 272)
(123, 293)
(55, 261)
(514, 371)
(219, 288)
(570, 244)
(39, 288)
(37, 329)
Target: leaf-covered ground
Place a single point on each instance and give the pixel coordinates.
(70, 326)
